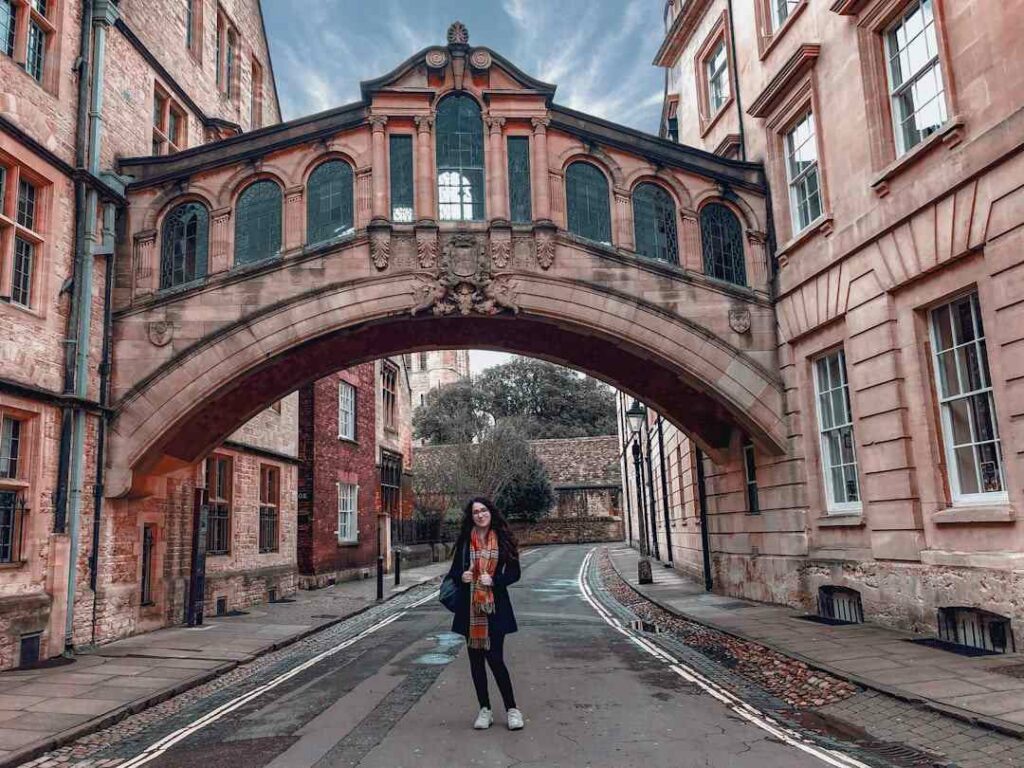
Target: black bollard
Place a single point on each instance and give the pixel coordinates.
(398, 567)
(380, 577)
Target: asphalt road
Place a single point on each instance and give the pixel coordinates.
(399, 695)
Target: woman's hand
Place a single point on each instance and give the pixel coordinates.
(486, 580)
(467, 577)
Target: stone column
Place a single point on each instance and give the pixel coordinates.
(219, 259)
(539, 170)
(689, 242)
(622, 234)
(147, 266)
(758, 278)
(364, 196)
(379, 209)
(294, 215)
(497, 186)
(424, 180)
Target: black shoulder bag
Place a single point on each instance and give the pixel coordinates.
(451, 588)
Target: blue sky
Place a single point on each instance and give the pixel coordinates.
(598, 52)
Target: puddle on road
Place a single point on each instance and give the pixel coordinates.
(445, 650)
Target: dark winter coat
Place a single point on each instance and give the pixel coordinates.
(503, 620)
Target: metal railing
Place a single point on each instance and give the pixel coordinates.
(840, 604)
(423, 531)
(12, 526)
(976, 628)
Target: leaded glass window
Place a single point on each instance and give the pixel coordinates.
(184, 245)
(329, 201)
(21, 279)
(835, 427)
(26, 204)
(722, 243)
(460, 160)
(401, 178)
(586, 194)
(258, 223)
(969, 428)
(8, 24)
(654, 223)
(520, 207)
(915, 76)
(36, 52)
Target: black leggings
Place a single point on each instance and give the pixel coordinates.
(495, 658)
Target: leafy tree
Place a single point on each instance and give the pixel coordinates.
(451, 414)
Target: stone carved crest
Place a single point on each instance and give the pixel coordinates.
(380, 249)
(458, 34)
(160, 332)
(739, 320)
(545, 244)
(426, 249)
(465, 283)
(501, 253)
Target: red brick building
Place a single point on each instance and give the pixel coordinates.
(890, 134)
(158, 76)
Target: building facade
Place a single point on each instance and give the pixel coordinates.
(85, 82)
(890, 134)
(430, 370)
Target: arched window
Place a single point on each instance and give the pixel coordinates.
(721, 238)
(184, 246)
(258, 223)
(329, 202)
(654, 223)
(586, 194)
(460, 160)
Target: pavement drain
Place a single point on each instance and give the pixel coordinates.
(1015, 670)
(325, 616)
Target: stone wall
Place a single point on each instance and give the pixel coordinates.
(568, 531)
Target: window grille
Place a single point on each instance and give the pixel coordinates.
(970, 432)
(8, 25)
(258, 223)
(654, 223)
(183, 251)
(750, 475)
(147, 565)
(389, 395)
(460, 160)
(390, 483)
(348, 501)
(346, 411)
(10, 447)
(270, 496)
(329, 203)
(835, 426)
(401, 178)
(519, 191)
(717, 69)
(21, 278)
(722, 242)
(915, 76)
(976, 628)
(218, 481)
(840, 604)
(586, 193)
(802, 172)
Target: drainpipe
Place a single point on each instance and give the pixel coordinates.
(104, 14)
(736, 83)
(664, 487)
(625, 469)
(653, 501)
(702, 503)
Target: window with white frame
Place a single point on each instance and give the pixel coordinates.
(780, 11)
(802, 173)
(348, 499)
(915, 76)
(969, 430)
(717, 69)
(835, 426)
(346, 411)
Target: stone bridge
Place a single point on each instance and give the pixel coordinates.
(258, 263)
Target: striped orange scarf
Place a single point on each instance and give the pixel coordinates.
(483, 558)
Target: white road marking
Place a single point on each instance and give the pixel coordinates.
(743, 709)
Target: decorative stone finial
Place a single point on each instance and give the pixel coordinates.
(458, 34)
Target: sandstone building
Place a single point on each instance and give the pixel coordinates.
(890, 134)
(430, 370)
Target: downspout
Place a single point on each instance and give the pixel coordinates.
(653, 499)
(736, 83)
(664, 487)
(625, 471)
(702, 502)
(104, 14)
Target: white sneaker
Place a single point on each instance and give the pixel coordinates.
(515, 719)
(484, 719)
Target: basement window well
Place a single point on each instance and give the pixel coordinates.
(982, 631)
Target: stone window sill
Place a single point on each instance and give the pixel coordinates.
(709, 122)
(13, 566)
(824, 224)
(1001, 513)
(351, 440)
(950, 134)
(842, 520)
(348, 543)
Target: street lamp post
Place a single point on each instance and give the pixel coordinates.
(636, 415)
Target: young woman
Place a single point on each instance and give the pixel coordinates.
(486, 563)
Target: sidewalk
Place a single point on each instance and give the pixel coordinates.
(971, 689)
(45, 708)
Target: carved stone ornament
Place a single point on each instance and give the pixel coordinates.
(380, 248)
(464, 282)
(545, 244)
(458, 34)
(739, 320)
(160, 332)
(426, 249)
(501, 252)
(437, 58)
(480, 58)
